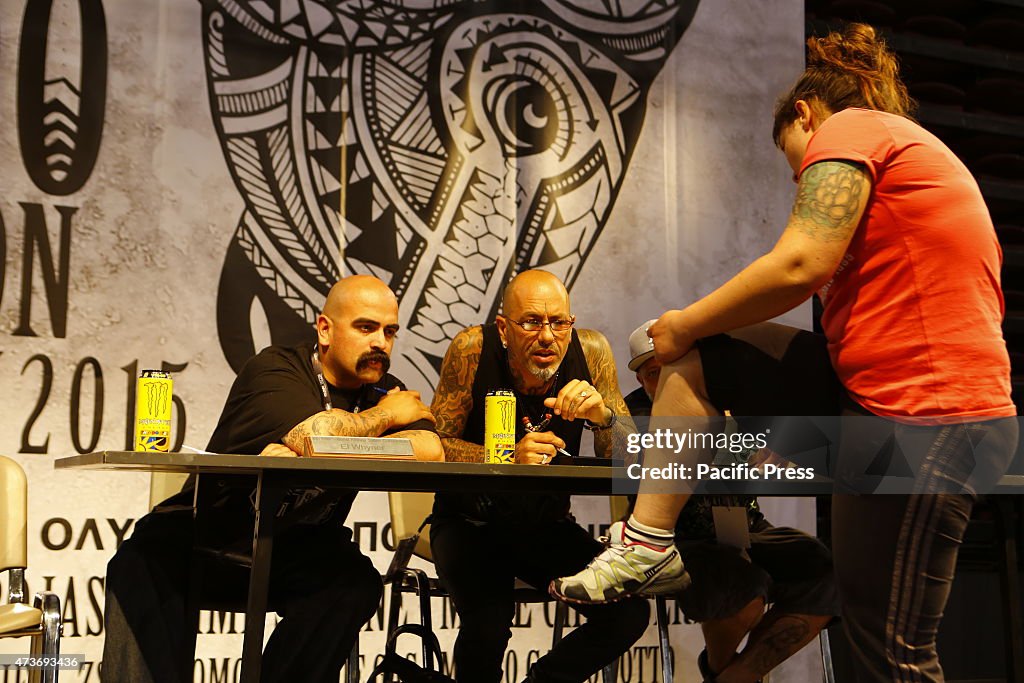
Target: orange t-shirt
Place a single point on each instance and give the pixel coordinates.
(913, 313)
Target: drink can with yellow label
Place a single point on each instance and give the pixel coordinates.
(500, 427)
(153, 411)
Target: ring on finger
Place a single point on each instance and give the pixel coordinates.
(583, 394)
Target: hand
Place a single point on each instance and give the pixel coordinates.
(279, 450)
(404, 408)
(538, 448)
(671, 339)
(580, 400)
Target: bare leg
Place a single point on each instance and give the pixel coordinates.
(681, 392)
(778, 637)
(723, 636)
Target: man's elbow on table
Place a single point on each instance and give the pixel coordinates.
(426, 446)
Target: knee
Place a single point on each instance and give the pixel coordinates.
(630, 618)
(365, 587)
(635, 617)
(682, 381)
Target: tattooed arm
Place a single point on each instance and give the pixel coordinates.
(830, 202)
(607, 442)
(453, 398)
(397, 409)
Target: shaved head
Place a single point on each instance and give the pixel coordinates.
(538, 284)
(356, 331)
(537, 297)
(355, 290)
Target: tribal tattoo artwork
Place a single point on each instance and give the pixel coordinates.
(441, 145)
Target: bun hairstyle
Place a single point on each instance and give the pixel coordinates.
(854, 68)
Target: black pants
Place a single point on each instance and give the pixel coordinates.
(479, 564)
(894, 555)
(320, 584)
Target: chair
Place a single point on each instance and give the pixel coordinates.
(412, 537)
(620, 507)
(163, 485)
(42, 621)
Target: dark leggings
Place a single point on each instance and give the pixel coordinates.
(894, 554)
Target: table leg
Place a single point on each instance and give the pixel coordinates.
(269, 494)
(200, 505)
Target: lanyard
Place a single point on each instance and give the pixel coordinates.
(318, 370)
(325, 393)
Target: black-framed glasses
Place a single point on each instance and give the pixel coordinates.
(557, 325)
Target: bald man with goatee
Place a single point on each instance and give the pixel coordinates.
(319, 581)
(564, 381)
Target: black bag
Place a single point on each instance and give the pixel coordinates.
(406, 671)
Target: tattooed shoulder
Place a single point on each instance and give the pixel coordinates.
(830, 199)
(453, 397)
(597, 350)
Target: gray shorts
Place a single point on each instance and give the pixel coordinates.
(786, 567)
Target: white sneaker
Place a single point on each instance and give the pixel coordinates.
(622, 570)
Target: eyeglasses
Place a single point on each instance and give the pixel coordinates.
(537, 325)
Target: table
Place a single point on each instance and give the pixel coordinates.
(273, 476)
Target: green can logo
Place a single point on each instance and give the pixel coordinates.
(153, 411)
(500, 427)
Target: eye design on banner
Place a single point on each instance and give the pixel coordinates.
(439, 148)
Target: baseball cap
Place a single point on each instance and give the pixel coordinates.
(641, 347)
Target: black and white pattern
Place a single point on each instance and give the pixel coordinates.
(439, 145)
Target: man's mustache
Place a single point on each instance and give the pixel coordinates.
(373, 357)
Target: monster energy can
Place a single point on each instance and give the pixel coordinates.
(500, 427)
(153, 411)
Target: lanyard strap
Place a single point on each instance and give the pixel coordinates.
(318, 370)
(325, 393)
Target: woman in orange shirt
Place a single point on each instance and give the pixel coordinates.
(891, 231)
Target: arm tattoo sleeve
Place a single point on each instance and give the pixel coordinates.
(453, 398)
(830, 199)
(607, 442)
(335, 422)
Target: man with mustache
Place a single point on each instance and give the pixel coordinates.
(319, 581)
(564, 380)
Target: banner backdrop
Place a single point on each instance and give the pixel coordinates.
(183, 181)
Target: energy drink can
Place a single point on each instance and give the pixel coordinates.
(500, 427)
(153, 411)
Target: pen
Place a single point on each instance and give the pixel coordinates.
(560, 452)
(380, 390)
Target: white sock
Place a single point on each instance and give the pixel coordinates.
(637, 532)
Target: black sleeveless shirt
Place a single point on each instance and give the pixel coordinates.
(493, 374)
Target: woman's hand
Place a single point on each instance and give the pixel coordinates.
(670, 336)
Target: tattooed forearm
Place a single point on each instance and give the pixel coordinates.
(830, 198)
(607, 442)
(457, 450)
(372, 422)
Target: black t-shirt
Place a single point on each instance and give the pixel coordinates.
(276, 390)
(493, 374)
